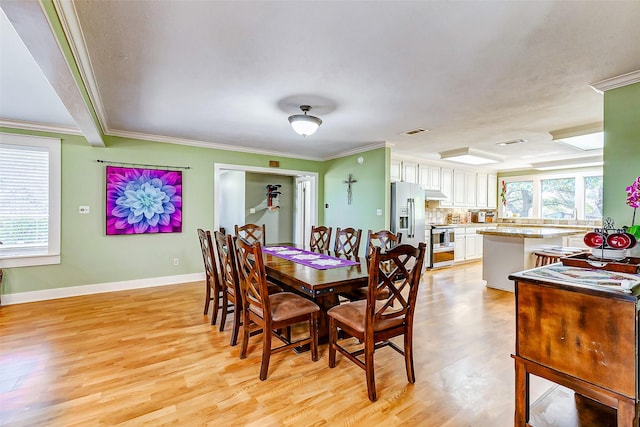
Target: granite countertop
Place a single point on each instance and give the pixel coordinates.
(530, 232)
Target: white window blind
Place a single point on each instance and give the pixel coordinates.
(29, 218)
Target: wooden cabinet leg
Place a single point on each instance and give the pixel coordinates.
(521, 416)
(627, 414)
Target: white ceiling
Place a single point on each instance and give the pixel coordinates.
(230, 73)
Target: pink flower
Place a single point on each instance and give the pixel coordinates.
(633, 194)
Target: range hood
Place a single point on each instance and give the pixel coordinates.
(434, 195)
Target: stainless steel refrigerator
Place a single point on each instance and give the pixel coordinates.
(407, 212)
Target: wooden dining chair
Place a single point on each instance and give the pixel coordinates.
(213, 290)
(230, 282)
(347, 242)
(320, 238)
(383, 239)
(271, 312)
(252, 233)
(373, 322)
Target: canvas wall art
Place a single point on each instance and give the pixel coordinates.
(143, 201)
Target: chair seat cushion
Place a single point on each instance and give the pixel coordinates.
(286, 305)
(352, 315)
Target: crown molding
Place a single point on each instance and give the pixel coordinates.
(616, 82)
(40, 127)
(384, 144)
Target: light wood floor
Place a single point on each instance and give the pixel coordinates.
(149, 357)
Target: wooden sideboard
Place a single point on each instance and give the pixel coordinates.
(579, 336)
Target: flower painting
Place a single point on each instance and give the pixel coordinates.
(143, 201)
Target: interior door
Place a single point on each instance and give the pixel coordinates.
(303, 211)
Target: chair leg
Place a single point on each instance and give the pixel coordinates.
(313, 331)
(225, 307)
(408, 356)
(237, 320)
(207, 296)
(369, 348)
(216, 304)
(333, 337)
(245, 334)
(266, 352)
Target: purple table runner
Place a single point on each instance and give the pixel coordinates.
(308, 258)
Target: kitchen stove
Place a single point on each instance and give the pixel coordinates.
(442, 245)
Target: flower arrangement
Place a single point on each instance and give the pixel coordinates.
(633, 200)
(503, 193)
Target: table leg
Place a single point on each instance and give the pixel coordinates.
(627, 415)
(521, 416)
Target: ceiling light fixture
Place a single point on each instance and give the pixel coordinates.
(469, 156)
(585, 138)
(579, 162)
(304, 124)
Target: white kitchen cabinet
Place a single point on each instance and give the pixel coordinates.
(481, 190)
(410, 172)
(446, 186)
(470, 189)
(459, 188)
(459, 250)
(395, 174)
(492, 191)
(429, 176)
(575, 241)
(479, 244)
(435, 177)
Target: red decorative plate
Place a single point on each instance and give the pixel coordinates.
(593, 239)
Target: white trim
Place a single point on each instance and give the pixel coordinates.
(616, 82)
(40, 127)
(385, 144)
(74, 291)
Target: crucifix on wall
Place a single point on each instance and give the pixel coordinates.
(349, 181)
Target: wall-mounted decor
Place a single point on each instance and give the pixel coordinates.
(143, 201)
(349, 181)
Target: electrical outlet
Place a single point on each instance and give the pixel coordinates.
(83, 209)
(176, 261)
(379, 212)
(252, 210)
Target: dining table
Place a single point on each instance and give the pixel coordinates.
(322, 286)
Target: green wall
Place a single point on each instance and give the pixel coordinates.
(621, 150)
(368, 194)
(88, 256)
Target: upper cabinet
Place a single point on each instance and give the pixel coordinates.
(464, 188)
(492, 191)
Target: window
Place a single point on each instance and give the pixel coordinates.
(593, 197)
(29, 200)
(519, 197)
(574, 195)
(559, 198)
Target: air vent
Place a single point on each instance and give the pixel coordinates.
(514, 141)
(413, 132)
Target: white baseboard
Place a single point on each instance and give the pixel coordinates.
(73, 291)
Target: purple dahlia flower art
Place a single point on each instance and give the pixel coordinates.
(143, 201)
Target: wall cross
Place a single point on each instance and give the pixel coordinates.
(349, 181)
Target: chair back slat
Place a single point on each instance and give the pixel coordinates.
(384, 239)
(208, 255)
(227, 261)
(251, 233)
(395, 275)
(253, 277)
(347, 241)
(320, 238)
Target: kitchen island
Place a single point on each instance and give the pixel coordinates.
(510, 249)
(579, 328)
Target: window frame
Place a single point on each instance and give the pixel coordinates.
(52, 253)
(537, 191)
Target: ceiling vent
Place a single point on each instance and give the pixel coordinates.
(413, 132)
(513, 141)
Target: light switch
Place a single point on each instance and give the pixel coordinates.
(83, 209)
(252, 210)
(379, 212)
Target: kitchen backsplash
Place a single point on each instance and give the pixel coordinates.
(461, 216)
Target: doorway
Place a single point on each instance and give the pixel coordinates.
(226, 197)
